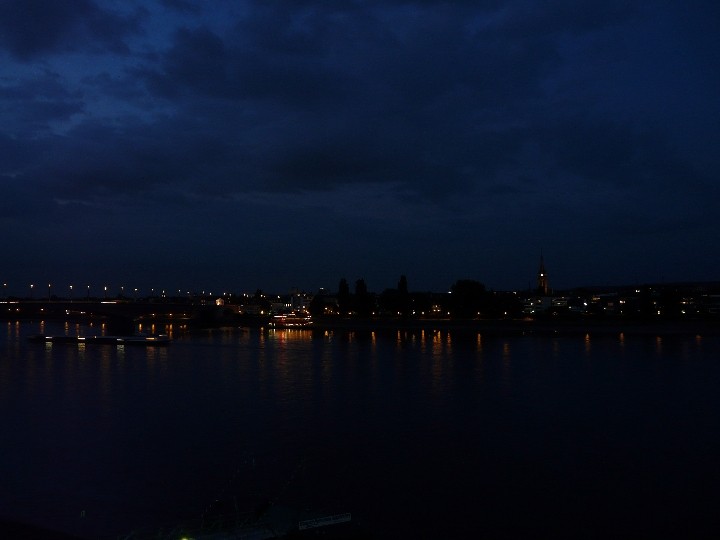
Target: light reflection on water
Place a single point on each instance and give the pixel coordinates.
(389, 425)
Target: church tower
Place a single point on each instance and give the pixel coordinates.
(542, 278)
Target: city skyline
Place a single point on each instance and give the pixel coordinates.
(271, 145)
(540, 285)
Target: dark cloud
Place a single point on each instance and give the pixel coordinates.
(196, 63)
(620, 155)
(484, 129)
(32, 28)
(182, 5)
(33, 105)
(558, 17)
(200, 63)
(363, 101)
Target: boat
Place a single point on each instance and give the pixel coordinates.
(291, 320)
(159, 340)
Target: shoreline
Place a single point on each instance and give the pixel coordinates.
(531, 327)
(498, 327)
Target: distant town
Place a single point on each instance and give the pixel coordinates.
(353, 304)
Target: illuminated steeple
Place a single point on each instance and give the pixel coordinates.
(542, 278)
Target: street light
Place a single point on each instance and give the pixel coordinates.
(71, 293)
(49, 285)
(32, 286)
(105, 293)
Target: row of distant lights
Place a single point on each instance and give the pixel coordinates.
(135, 290)
(122, 290)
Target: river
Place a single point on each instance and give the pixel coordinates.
(425, 434)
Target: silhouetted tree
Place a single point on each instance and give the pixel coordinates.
(343, 297)
(669, 302)
(317, 306)
(388, 302)
(647, 302)
(499, 305)
(261, 300)
(396, 301)
(468, 299)
(363, 301)
(402, 285)
(421, 303)
(403, 297)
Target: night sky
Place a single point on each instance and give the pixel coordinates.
(275, 144)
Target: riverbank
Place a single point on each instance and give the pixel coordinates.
(529, 327)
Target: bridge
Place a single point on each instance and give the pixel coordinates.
(119, 312)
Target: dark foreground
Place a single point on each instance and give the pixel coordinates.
(12, 530)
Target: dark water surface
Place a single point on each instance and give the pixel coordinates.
(424, 435)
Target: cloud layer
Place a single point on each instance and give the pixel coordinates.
(275, 144)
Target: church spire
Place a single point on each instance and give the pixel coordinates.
(542, 277)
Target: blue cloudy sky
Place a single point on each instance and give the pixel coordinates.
(271, 144)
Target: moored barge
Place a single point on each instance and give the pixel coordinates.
(146, 341)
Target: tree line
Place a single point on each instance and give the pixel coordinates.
(466, 299)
